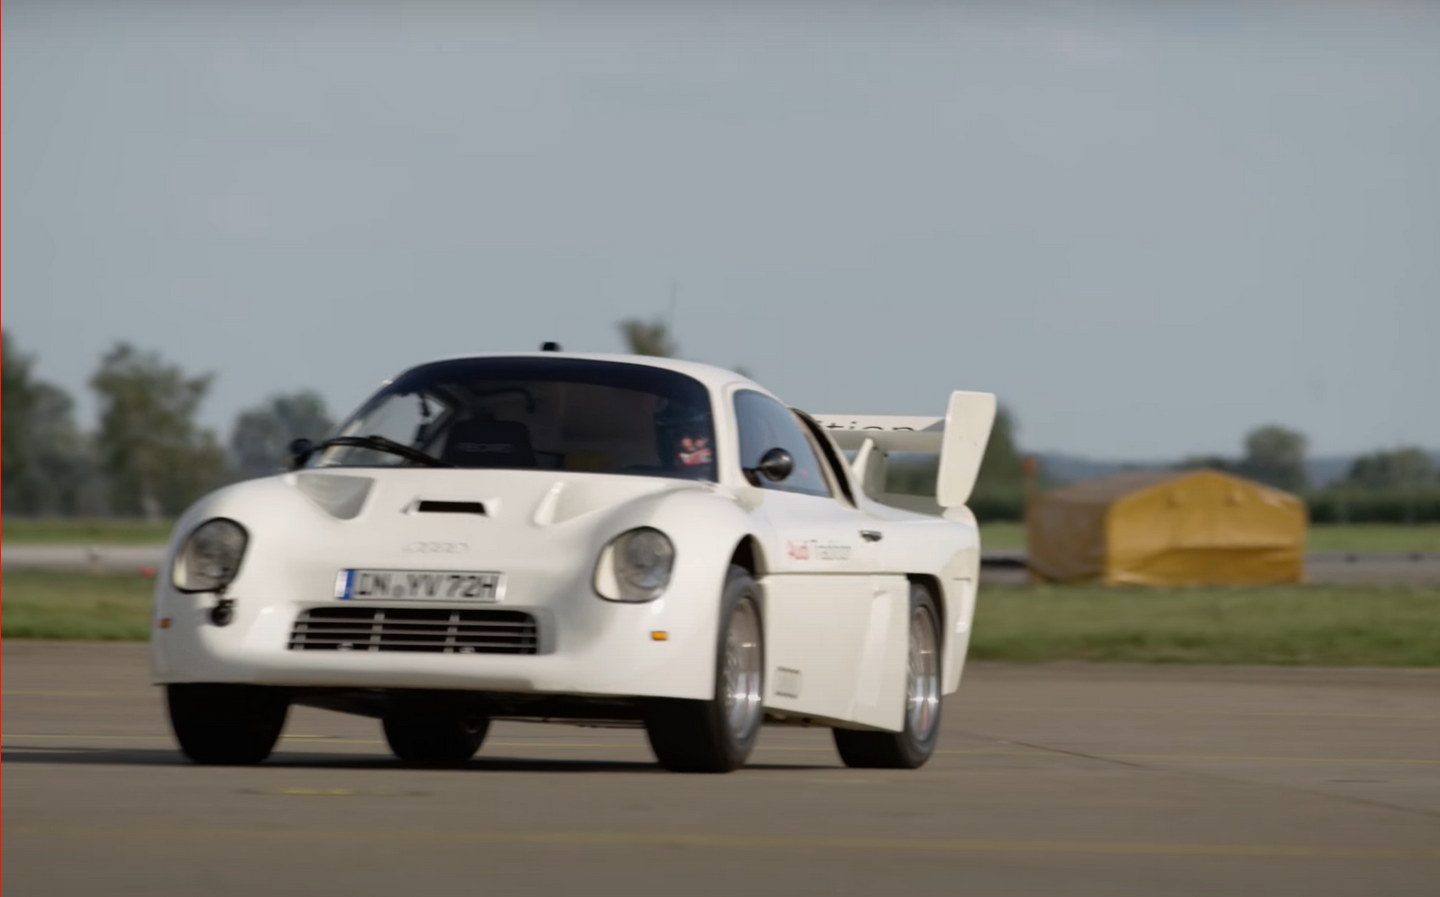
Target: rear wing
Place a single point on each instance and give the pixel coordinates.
(959, 439)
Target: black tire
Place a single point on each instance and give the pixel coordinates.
(704, 736)
(227, 725)
(437, 738)
(911, 747)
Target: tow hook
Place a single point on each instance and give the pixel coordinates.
(223, 612)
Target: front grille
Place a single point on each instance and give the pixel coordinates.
(458, 631)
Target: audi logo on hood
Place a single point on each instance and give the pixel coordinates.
(437, 547)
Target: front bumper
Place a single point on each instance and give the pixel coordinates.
(584, 646)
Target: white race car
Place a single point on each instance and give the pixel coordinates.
(597, 539)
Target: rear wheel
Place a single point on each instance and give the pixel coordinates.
(435, 738)
(227, 725)
(717, 735)
(912, 746)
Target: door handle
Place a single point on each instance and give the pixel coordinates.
(871, 535)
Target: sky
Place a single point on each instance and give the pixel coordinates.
(1148, 227)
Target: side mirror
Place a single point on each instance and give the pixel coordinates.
(776, 465)
(300, 451)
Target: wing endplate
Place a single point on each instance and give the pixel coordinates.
(968, 421)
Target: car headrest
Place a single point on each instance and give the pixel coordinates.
(489, 443)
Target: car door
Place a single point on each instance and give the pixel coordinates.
(834, 626)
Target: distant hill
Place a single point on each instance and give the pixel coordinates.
(1324, 471)
(1328, 469)
(1060, 468)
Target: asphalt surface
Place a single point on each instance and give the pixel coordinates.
(1051, 779)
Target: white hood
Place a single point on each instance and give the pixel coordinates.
(541, 498)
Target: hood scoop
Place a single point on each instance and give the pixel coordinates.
(434, 506)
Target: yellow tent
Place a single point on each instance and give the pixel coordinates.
(1184, 527)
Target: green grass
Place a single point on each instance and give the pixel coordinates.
(1325, 625)
(1374, 537)
(993, 536)
(1359, 537)
(85, 531)
(99, 607)
(1002, 536)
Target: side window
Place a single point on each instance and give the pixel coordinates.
(765, 424)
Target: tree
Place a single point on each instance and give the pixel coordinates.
(1276, 456)
(653, 338)
(1404, 468)
(18, 388)
(47, 464)
(649, 337)
(261, 435)
(1211, 462)
(1002, 469)
(157, 459)
(60, 475)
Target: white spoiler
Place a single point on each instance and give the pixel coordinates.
(959, 438)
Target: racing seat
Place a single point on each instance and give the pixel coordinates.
(487, 442)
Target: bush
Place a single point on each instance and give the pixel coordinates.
(1325, 506)
(1341, 505)
(998, 507)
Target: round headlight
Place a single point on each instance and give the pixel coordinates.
(210, 557)
(636, 566)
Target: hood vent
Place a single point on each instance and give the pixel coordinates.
(339, 495)
(450, 507)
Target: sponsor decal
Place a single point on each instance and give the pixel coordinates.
(816, 550)
(836, 425)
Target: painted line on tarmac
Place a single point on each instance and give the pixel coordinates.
(1028, 709)
(331, 792)
(584, 745)
(77, 735)
(576, 745)
(51, 693)
(769, 842)
(1099, 755)
(73, 735)
(1261, 759)
(1184, 711)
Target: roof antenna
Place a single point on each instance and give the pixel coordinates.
(674, 301)
(549, 346)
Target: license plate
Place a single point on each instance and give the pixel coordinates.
(417, 585)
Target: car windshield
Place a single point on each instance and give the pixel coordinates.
(538, 414)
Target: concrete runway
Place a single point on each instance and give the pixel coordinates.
(1051, 779)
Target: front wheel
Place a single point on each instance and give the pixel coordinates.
(435, 738)
(913, 745)
(228, 725)
(717, 735)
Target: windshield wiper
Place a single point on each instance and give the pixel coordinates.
(382, 444)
